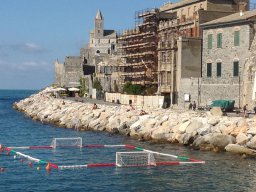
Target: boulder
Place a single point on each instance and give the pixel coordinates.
(201, 140)
(238, 149)
(213, 121)
(193, 126)
(204, 130)
(221, 141)
(238, 130)
(227, 130)
(252, 130)
(216, 111)
(252, 143)
(241, 139)
(182, 128)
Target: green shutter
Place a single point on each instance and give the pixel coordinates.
(209, 69)
(237, 38)
(236, 69)
(209, 41)
(218, 69)
(219, 40)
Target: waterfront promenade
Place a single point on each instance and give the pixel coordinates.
(202, 130)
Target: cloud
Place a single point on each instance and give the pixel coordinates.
(27, 47)
(28, 65)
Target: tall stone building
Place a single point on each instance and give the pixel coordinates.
(229, 58)
(179, 45)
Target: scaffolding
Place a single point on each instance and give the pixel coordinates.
(138, 49)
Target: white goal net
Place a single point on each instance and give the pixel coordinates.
(130, 159)
(67, 142)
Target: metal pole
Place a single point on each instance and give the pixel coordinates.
(239, 102)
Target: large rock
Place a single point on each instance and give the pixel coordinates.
(242, 139)
(216, 111)
(201, 140)
(193, 126)
(221, 141)
(252, 143)
(213, 121)
(238, 149)
(204, 130)
(252, 130)
(182, 128)
(238, 130)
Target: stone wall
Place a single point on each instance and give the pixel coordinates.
(73, 71)
(136, 100)
(59, 73)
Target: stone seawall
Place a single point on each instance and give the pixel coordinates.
(201, 130)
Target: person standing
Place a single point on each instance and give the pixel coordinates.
(194, 106)
(190, 106)
(245, 110)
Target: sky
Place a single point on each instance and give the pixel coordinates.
(34, 33)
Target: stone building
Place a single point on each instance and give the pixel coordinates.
(229, 58)
(68, 74)
(102, 45)
(179, 45)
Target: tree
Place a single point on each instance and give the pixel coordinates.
(132, 89)
(97, 85)
(83, 87)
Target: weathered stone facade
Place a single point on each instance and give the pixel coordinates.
(226, 85)
(179, 59)
(102, 45)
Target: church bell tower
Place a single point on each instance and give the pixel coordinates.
(99, 25)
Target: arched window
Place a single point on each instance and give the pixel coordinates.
(85, 60)
(108, 51)
(98, 51)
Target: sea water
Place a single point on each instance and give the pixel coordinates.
(222, 171)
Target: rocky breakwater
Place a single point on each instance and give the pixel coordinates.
(201, 130)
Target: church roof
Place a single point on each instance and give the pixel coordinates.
(109, 33)
(99, 15)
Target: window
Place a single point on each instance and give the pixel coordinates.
(219, 40)
(218, 69)
(235, 68)
(209, 41)
(209, 69)
(237, 38)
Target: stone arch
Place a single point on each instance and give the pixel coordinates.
(236, 28)
(236, 59)
(218, 60)
(208, 61)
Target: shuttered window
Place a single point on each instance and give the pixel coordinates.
(210, 41)
(235, 69)
(209, 70)
(218, 69)
(219, 40)
(237, 38)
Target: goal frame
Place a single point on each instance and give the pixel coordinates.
(150, 159)
(79, 139)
